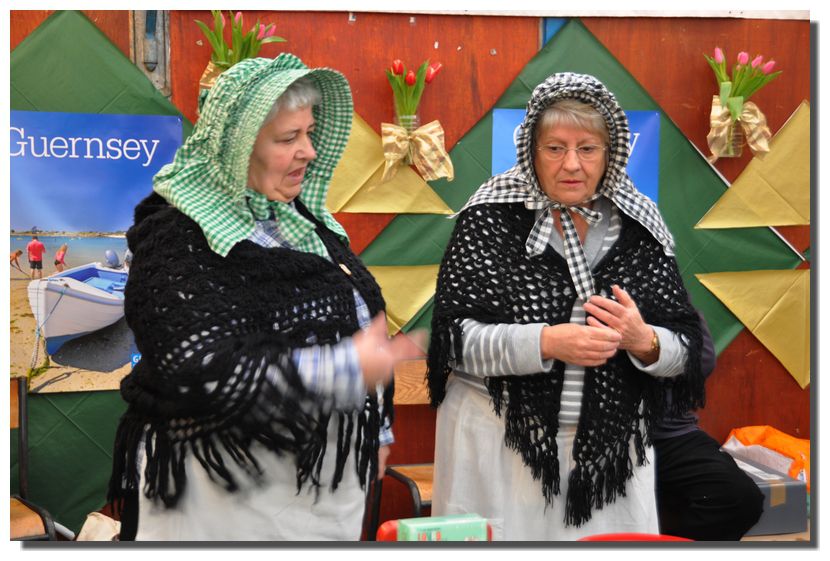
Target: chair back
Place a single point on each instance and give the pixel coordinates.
(27, 521)
(14, 404)
(19, 420)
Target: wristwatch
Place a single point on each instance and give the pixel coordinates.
(655, 342)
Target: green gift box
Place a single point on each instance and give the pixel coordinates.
(451, 528)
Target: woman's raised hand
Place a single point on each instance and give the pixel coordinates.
(582, 345)
(378, 354)
(622, 316)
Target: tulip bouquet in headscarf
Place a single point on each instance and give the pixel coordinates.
(731, 105)
(407, 142)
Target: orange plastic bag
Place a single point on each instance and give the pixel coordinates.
(774, 449)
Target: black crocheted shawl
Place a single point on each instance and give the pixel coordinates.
(208, 328)
(486, 275)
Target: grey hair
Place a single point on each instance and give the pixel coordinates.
(300, 94)
(570, 112)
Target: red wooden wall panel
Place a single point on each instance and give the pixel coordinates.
(363, 48)
(469, 84)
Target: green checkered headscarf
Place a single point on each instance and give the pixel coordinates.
(207, 179)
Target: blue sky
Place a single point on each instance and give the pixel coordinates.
(58, 183)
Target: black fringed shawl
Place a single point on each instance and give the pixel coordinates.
(486, 275)
(208, 328)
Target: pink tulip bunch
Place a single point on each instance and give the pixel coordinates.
(746, 77)
(408, 85)
(242, 44)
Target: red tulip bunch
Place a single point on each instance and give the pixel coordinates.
(408, 85)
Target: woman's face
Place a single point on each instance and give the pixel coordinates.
(570, 180)
(281, 154)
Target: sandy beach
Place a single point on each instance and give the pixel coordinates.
(96, 361)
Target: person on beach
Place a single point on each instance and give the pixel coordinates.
(261, 407)
(14, 260)
(35, 249)
(60, 257)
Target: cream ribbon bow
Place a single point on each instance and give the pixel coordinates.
(425, 145)
(210, 75)
(753, 122)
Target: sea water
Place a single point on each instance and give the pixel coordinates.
(80, 250)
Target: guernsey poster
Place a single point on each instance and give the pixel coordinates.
(75, 180)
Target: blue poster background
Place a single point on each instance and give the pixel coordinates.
(62, 184)
(643, 165)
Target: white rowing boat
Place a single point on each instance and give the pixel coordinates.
(77, 301)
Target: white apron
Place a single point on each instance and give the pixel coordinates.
(269, 511)
(476, 473)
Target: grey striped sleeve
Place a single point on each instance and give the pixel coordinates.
(502, 349)
(573, 383)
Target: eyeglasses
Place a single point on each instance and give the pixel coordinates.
(586, 153)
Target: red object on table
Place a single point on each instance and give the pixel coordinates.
(388, 531)
(633, 537)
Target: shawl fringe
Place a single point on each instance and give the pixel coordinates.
(444, 349)
(524, 430)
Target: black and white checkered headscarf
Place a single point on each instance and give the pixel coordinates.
(520, 184)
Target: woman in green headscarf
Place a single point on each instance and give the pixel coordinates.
(258, 409)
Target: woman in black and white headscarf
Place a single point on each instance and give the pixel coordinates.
(560, 318)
